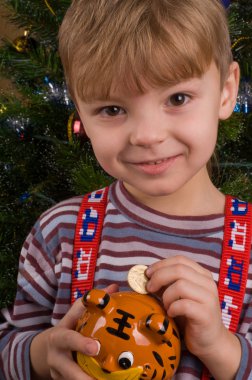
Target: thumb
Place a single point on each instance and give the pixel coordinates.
(74, 313)
(77, 309)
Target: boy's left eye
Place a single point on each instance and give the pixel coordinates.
(112, 111)
(178, 99)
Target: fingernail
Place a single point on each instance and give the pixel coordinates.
(148, 271)
(98, 347)
(93, 348)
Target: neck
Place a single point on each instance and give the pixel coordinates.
(196, 198)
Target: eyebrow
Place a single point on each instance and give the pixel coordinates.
(195, 81)
(105, 99)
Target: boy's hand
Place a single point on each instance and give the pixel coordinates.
(51, 351)
(189, 291)
(63, 340)
(190, 294)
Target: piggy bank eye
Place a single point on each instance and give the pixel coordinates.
(125, 360)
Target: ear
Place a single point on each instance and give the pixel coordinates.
(160, 325)
(229, 92)
(97, 298)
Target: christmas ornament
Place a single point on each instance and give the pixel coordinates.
(24, 197)
(3, 108)
(55, 92)
(244, 99)
(226, 3)
(7, 167)
(238, 41)
(21, 126)
(75, 129)
(23, 44)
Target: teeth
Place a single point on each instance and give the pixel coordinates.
(155, 162)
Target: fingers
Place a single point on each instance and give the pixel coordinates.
(112, 288)
(188, 290)
(166, 272)
(68, 369)
(70, 340)
(74, 313)
(186, 287)
(191, 310)
(168, 275)
(63, 340)
(177, 260)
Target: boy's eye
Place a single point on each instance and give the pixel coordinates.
(178, 99)
(111, 111)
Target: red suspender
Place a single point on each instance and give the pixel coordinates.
(234, 262)
(87, 240)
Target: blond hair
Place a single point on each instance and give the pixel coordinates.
(130, 43)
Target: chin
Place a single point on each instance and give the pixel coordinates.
(157, 191)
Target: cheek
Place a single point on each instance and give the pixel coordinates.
(101, 152)
(199, 132)
(105, 141)
(105, 155)
(107, 146)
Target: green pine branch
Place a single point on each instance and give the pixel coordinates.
(28, 70)
(37, 17)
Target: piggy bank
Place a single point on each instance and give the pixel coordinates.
(137, 338)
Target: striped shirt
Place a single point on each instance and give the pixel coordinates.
(132, 234)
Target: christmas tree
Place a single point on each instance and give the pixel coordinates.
(44, 154)
(235, 134)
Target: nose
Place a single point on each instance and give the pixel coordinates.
(148, 132)
(108, 365)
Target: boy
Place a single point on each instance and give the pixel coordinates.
(150, 79)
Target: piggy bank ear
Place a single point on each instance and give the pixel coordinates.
(161, 326)
(99, 299)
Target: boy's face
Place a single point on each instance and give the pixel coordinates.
(159, 142)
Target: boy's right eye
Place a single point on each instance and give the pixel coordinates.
(179, 99)
(111, 111)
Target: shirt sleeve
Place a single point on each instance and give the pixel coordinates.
(43, 289)
(32, 308)
(245, 370)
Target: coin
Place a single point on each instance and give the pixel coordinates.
(137, 279)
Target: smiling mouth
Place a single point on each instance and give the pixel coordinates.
(154, 162)
(158, 161)
(156, 167)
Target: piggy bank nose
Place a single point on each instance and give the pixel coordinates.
(109, 365)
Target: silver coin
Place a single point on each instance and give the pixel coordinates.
(137, 279)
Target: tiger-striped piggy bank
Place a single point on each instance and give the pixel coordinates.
(137, 339)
